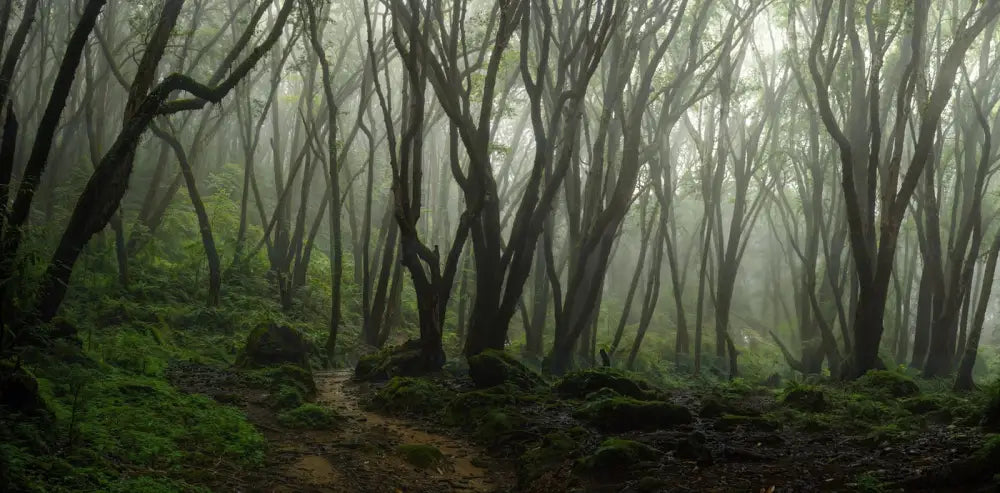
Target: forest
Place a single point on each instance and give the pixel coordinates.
(499, 245)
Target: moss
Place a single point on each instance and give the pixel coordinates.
(923, 404)
(551, 451)
(272, 344)
(498, 424)
(492, 367)
(421, 455)
(107, 424)
(806, 398)
(602, 393)
(310, 417)
(286, 397)
(578, 384)
(887, 382)
(626, 413)
(714, 406)
(729, 422)
(651, 484)
(693, 448)
(409, 395)
(614, 456)
(288, 375)
(466, 407)
(405, 360)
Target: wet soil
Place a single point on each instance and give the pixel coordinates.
(358, 456)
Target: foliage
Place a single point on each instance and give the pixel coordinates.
(421, 455)
(309, 416)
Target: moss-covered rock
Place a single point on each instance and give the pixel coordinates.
(421, 455)
(652, 484)
(615, 456)
(272, 345)
(626, 413)
(497, 425)
(579, 384)
(888, 382)
(286, 397)
(492, 367)
(411, 395)
(467, 407)
(694, 448)
(309, 417)
(806, 398)
(553, 450)
(714, 406)
(728, 422)
(406, 360)
(602, 393)
(290, 375)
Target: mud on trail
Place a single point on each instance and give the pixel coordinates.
(360, 455)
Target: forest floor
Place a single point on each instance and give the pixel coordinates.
(360, 453)
(738, 438)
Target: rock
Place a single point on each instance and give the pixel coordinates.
(499, 424)
(421, 455)
(714, 406)
(405, 360)
(888, 382)
(493, 367)
(409, 395)
(271, 345)
(465, 408)
(626, 413)
(553, 450)
(19, 390)
(578, 384)
(728, 422)
(693, 448)
(615, 456)
(806, 398)
(650, 484)
(602, 393)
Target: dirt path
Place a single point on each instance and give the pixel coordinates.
(359, 456)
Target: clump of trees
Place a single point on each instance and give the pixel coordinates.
(526, 172)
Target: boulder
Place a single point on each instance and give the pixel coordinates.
(578, 384)
(406, 360)
(693, 448)
(888, 382)
(626, 413)
(408, 395)
(806, 399)
(493, 367)
(272, 345)
(421, 455)
(615, 456)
